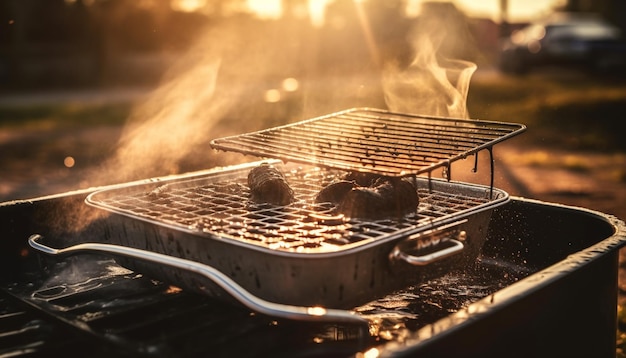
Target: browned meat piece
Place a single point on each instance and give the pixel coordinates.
(386, 197)
(362, 179)
(407, 199)
(372, 196)
(268, 185)
(335, 192)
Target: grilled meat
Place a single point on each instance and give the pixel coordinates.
(371, 196)
(335, 192)
(386, 197)
(362, 179)
(268, 185)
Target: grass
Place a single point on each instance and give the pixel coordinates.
(542, 158)
(575, 113)
(569, 112)
(62, 115)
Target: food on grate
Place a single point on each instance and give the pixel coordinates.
(385, 197)
(370, 196)
(268, 185)
(335, 192)
(362, 179)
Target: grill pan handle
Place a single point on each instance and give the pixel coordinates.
(299, 313)
(446, 236)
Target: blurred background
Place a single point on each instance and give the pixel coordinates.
(73, 43)
(96, 92)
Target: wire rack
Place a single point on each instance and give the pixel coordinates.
(373, 140)
(218, 205)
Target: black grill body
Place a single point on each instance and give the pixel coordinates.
(553, 293)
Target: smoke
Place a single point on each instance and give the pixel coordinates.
(221, 76)
(169, 124)
(214, 89)
(428, 86)
(217, 86)
(431, 84)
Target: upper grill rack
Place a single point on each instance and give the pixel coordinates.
(373, 140)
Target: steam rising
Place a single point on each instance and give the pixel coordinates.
(221, 76)
(431, 84)
(229, 71)
(214, 89)
(167, 127)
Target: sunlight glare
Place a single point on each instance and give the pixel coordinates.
(173, 289)
(290, 84)
(371, 353)
(272, 96)
(266, 9)
(317, 11)
(69, 162)
(316, 311)
(187, 5)
(518, 10)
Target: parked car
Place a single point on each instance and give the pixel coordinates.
(588, 42)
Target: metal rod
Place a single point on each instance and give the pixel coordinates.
(244, 297)
(492, 165)
(475, 169)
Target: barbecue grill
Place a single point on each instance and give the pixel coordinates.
(289, 254)
(327, 284)
(545, 285)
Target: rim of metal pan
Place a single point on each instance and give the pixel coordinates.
(106, 199)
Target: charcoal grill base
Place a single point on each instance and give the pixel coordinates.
(565, 307)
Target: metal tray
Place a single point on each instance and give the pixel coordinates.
(287, 254)
(218, 206)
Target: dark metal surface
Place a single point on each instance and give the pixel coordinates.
(93, 297)
(564, 307)
(373, 140)
(117, 312)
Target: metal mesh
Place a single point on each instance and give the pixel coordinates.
(372, 140)
(219, 206)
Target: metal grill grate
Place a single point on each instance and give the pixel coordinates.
(372, 140)
(214, 205)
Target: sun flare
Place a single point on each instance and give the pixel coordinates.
(188, 5)
(266, 9)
